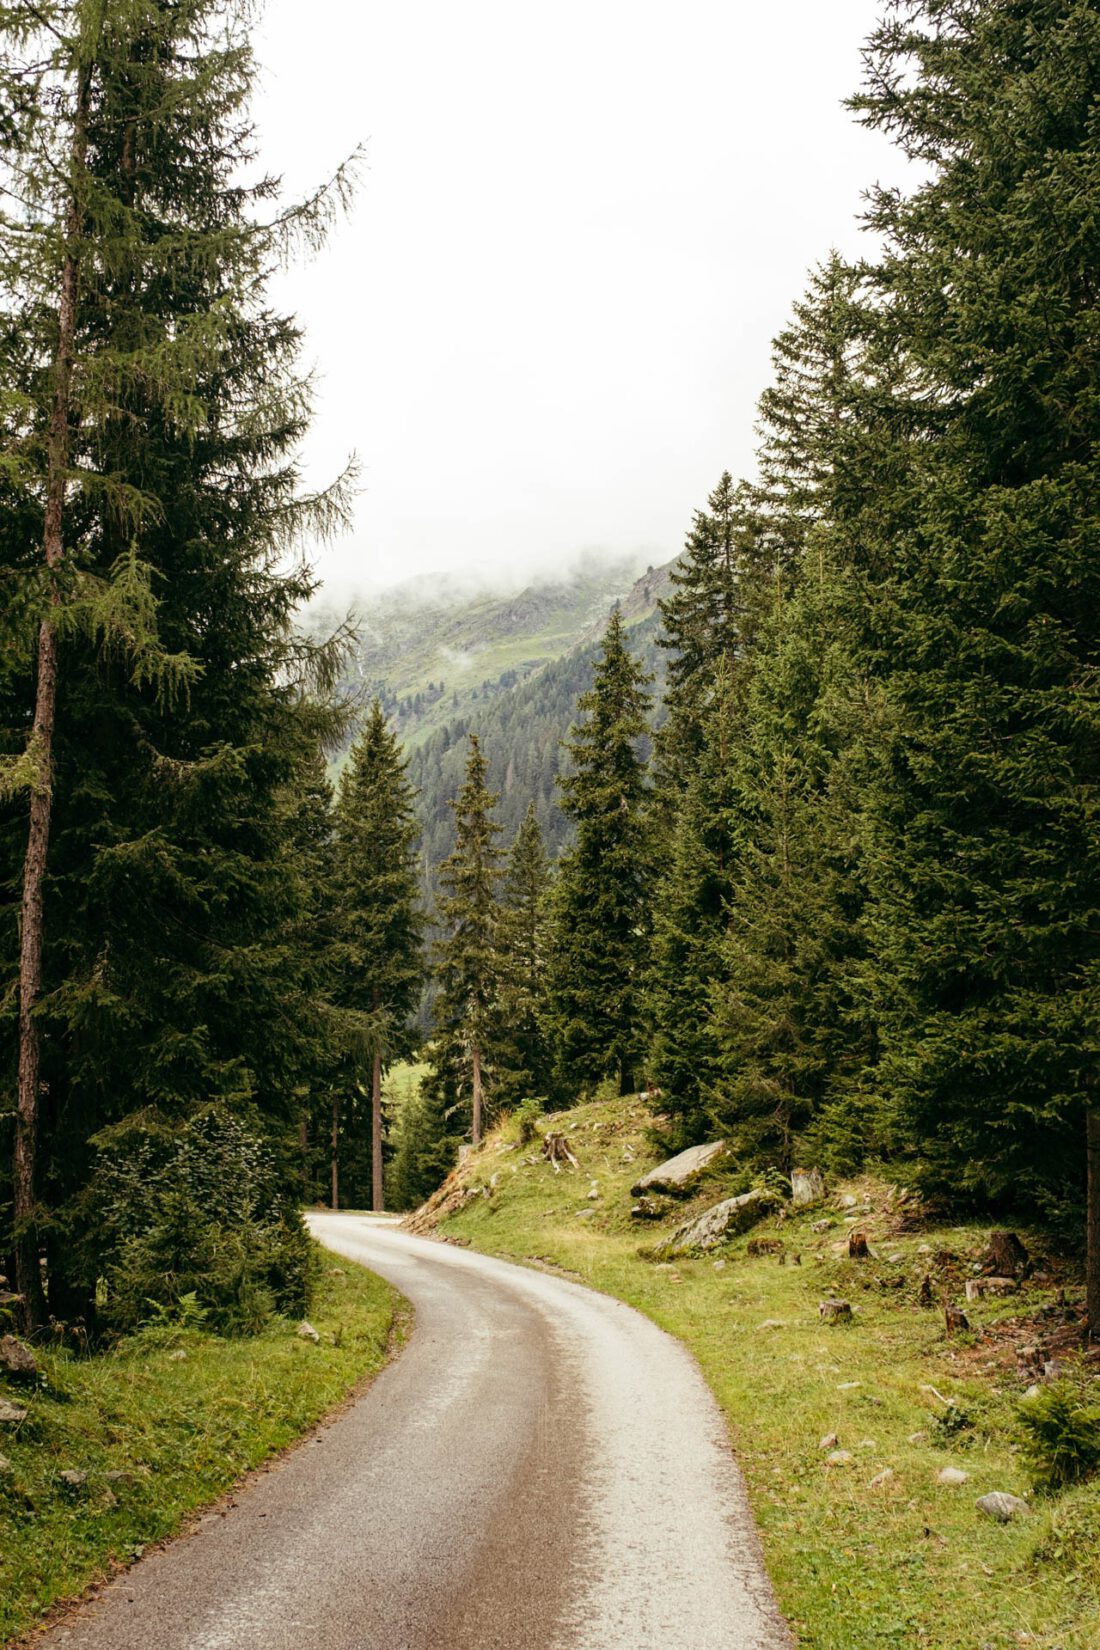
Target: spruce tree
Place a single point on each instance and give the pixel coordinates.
(377, 963)
(599, 932)
(985, 590)
(523, 1062)
(153, 404)
(466, 956)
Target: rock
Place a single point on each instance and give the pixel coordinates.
(834, 1311)
(807, 1186)
(867, 1443)
(16, 1360)
(677, 1174)
(830, 1441)
(848, 1201)
(74, 1480)
(719, 1265)
(773, 1323)
(977, 1287)
(823, 1225)
(1002, 1506)
(11, 1414)
(720, 1221)
(179, 1356)
(848, 1386)
(838, 1458)
(6, 1468)
(306, 1332)
(952, 1476)
(593, 1193)
(585, 1214)
(917, 1438)
(881, 1478)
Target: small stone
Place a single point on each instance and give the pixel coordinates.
(848, 1386)
(73, 1479)
(952, 1476)
(17, 1360)
(336, 1272)
(868, 1443)
(719, 1265)
(773, 1323)
(306, 1332)
(1002, 1506)
(835, 1311)
(11, 1414)
(586, 1214)
(6, 1467)
(830, 1441)
(848, 1201)
(838, 1458)
(823, 1225)
(894, 1260)
(917, 1438)
(593, 1192)
(179, 1356)
(1033, 1390)
(881, 1478)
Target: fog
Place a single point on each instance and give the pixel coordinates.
(545, 325)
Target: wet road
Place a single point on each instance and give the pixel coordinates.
(541, 1469)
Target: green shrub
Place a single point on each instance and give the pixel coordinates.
(189, 1217)
(1061, 1435)
(526, 1119)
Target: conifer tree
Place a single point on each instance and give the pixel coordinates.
(466, 955)
(985, 588)
(599, 933)
(377, 964)
(523, 1064)
(152, 404)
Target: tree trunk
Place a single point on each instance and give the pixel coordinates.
(335, 1199)
(376, 1199)
(303, 1151)
(1092, 1140)
(475, 1131)
(28, 1270)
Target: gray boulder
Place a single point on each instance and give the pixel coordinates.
(1002, 1506)
(11, 1414)
(722, 1220)
(679, 1173)
(74, 1480)
(835, 1311)
(807, 1186)
(16, 1360)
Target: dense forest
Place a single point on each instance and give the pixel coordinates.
(838, 900)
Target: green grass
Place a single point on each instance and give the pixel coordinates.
(179, 1429)
(909, 1562)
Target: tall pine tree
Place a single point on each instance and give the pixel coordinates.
(524, 1064)
(599, 934)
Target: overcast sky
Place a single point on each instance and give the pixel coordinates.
(546, 323)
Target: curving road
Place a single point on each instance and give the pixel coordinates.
(541, 1469)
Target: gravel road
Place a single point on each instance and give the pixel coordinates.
(541, 1469)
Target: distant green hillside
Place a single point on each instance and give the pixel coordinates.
(435, 653)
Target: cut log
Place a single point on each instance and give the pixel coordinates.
(857, 1246)
(955, 1318)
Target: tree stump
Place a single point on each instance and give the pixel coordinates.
(857, 1246)
(955, 1318)
(926, 1296)
(1006, 1256)
(555, 1148)
(835, 1311)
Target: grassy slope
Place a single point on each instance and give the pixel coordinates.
(909, 1562)
(180, 1429)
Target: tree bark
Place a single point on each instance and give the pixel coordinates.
(376, 1198)
(303, 1151)
(1092, 1142)
(335, 1198)
(475, 1131)
(28, 1270)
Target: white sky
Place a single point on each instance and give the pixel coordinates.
(546, 324)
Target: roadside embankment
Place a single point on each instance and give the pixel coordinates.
(866, 1439)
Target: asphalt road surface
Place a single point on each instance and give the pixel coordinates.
(541, 1469)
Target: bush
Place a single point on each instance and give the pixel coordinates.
(1061, 1435)
(526, 1119)
(189, 1217)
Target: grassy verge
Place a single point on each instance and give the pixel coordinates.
(161, 1427)
(859, 1560)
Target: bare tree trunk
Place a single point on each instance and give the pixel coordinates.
(376, 1198)
(303, 1152)
(475, 1131)
(335, 1201)
(1092, 1141)
(28, 1271)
